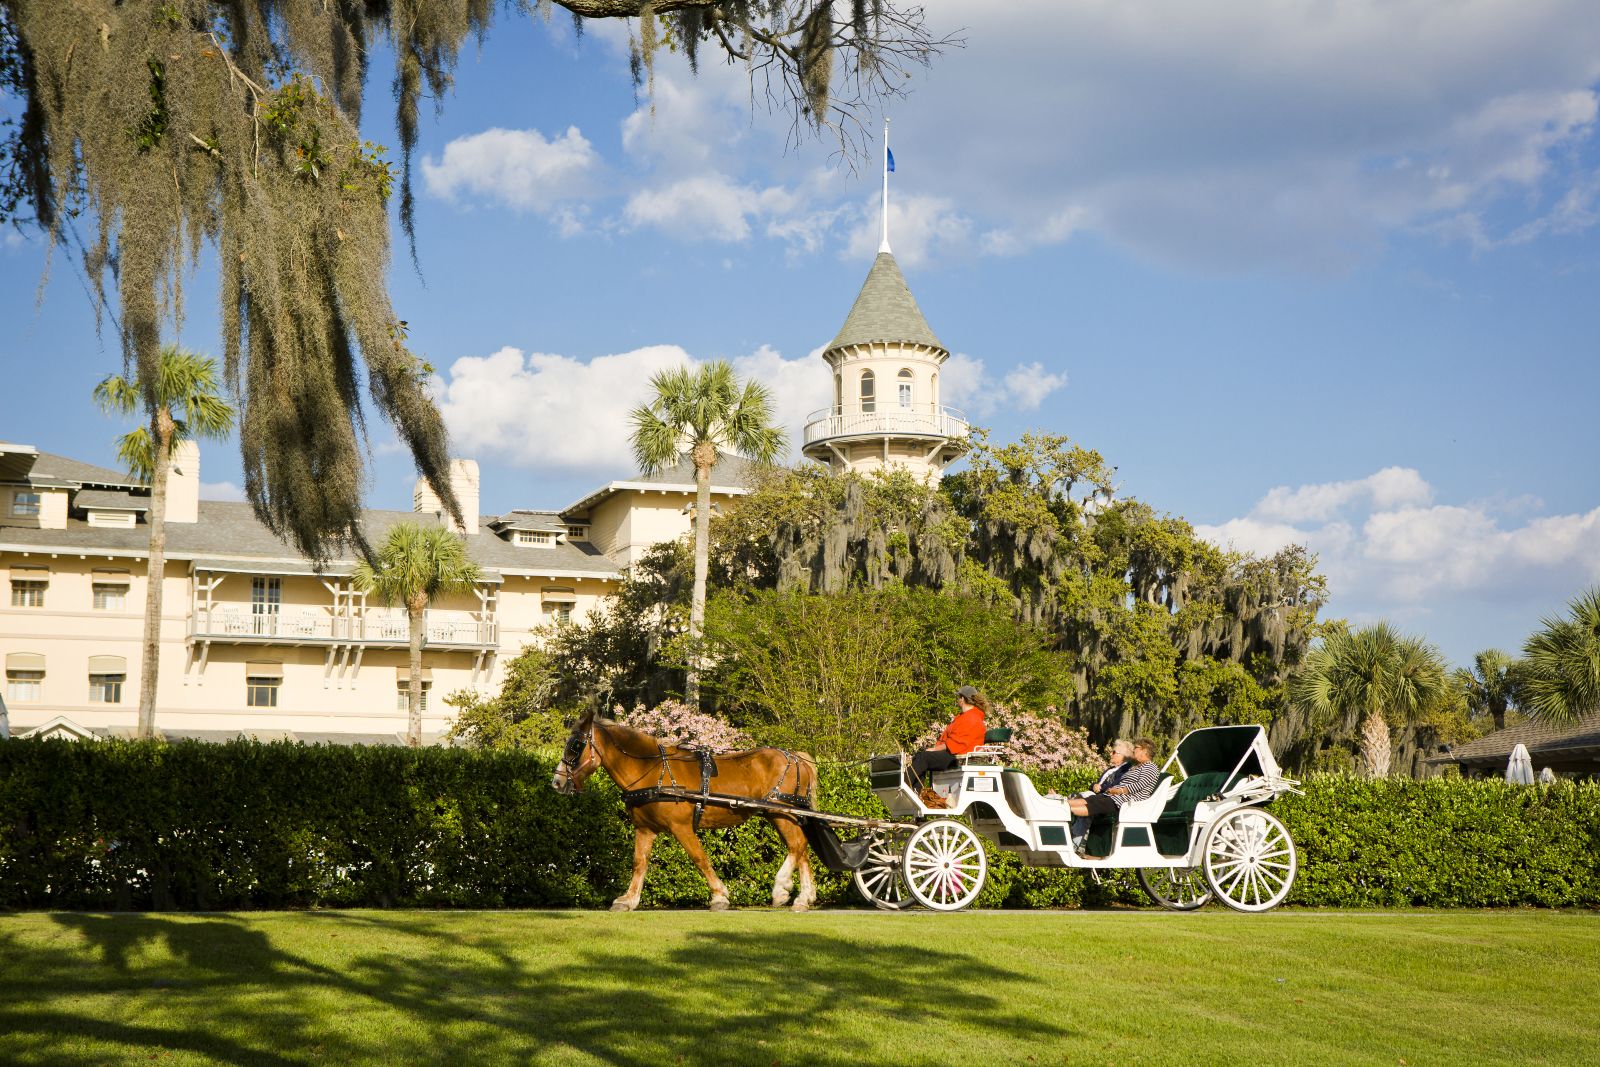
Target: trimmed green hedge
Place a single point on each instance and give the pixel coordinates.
(120, 825)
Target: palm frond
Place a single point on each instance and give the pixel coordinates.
(1561, 679)
(417, 564)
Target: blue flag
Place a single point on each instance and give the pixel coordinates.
(890, 152)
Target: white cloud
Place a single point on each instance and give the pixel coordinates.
(220, 491)
(519, 168)
(552, 412)
(965, 383)
(1385, 545)
(921, 229)
(1386, 488)
(556, 413)
(706, 207)
(1027, 384)
(1234, 133)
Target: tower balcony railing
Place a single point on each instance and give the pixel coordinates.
(919, 420)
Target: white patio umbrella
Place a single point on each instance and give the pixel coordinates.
(1519, 770)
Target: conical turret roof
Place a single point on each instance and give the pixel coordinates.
(885, 310)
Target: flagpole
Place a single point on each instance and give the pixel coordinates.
(884, 246)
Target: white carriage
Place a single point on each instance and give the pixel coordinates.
(1203, 833)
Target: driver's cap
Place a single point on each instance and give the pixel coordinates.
(967, 693)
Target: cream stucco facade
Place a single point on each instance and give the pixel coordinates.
(254, 639)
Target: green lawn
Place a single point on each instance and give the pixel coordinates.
(834, 987)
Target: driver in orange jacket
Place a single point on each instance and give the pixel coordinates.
(964, 734)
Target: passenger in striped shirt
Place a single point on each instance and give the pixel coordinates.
(1138, 783)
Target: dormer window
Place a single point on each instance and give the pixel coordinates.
(536, 538)
(577, 533)
(905, 388)
(24, 504)
(869, 392)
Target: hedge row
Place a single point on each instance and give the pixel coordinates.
(121, 825)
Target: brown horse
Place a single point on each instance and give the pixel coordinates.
(638, 763)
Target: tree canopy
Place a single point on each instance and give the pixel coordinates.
(178, 125)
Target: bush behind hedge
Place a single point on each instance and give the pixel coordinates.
(127, 825)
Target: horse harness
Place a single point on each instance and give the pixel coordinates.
(668, 789)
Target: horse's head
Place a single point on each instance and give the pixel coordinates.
(579, 758)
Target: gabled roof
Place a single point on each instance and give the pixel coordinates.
(54, 468)
(229, 535)
(885, 310)
(524, 519)
(732, 476)
(1540, 737)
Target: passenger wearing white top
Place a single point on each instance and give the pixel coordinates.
(1138, 783)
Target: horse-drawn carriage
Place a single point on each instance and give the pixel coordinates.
(1203, 833)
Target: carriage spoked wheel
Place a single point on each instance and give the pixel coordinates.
(1175, 888)
(880, 878)
(945, 865)
(1249, 860)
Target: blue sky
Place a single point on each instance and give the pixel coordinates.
(1302, 271)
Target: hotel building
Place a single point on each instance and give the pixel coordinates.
(256, 640)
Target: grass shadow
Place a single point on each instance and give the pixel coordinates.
(344, 987)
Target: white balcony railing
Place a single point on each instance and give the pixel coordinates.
(923, 420)
(379, 627)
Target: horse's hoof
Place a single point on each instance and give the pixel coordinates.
(622, 905)
(720, 905)
(800, 905)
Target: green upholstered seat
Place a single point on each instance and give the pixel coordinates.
(998, 735)
(1172, 829)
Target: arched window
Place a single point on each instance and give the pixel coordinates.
(905, 388)
(934, 399)
(869, 392)
(838, 394)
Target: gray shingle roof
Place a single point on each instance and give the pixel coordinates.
(113, 499)
(731, 473)
(523, 519)
(229, 531)
(54, 468)
(885, 310)
(1540, 737)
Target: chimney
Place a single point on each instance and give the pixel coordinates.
(464, 480)
(183, 483)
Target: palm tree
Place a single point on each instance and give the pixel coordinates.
(1374, 674)
(1490, 684)
(703, 412)
(183, 402)
(415, 565)
(1561, 679)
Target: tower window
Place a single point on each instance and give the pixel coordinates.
(869, 392)
(905, 388)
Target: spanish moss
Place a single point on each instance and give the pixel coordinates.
(174, 126)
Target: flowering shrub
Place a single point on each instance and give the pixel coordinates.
(1038, 743)
(676, 723)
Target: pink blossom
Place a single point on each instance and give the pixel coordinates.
(1038, 743)
(676, 723)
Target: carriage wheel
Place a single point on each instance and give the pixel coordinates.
(1249, 860)
(945, 865)
(1175, 888)
(879, 879)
